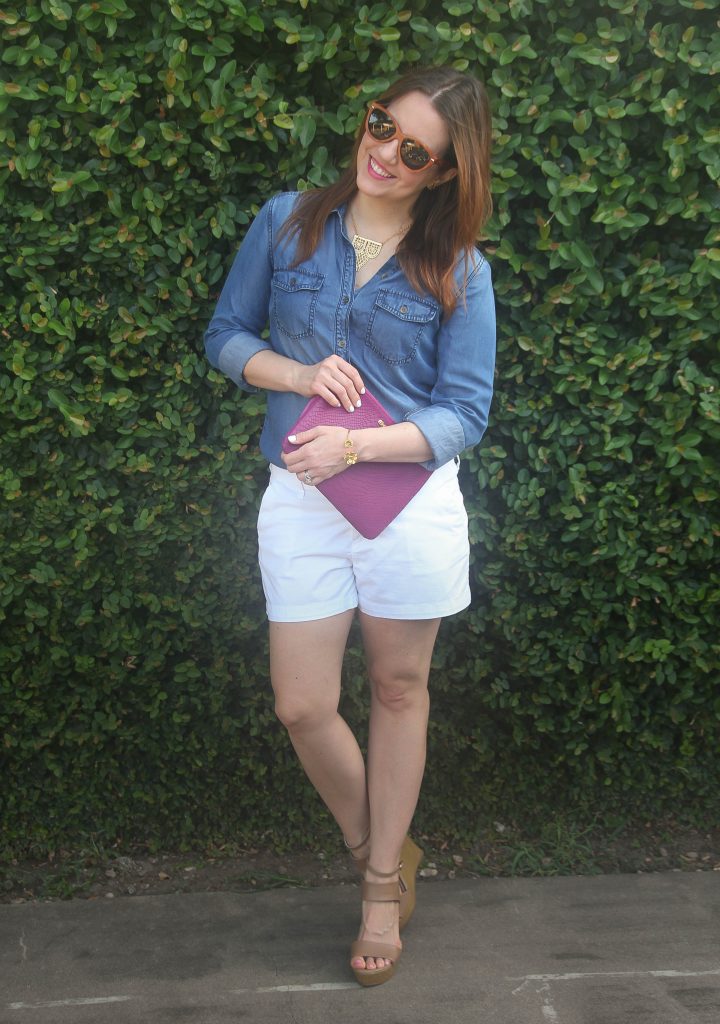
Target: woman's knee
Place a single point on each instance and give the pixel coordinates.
(400, 691)
(298, 713)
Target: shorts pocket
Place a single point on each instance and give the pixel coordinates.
(397, 324)
(294, 297)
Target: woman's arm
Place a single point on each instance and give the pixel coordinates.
(457, 414)
(241, 313)
(233, 342)
(323, 450)
(334, 379)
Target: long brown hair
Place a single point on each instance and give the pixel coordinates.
(446, 220)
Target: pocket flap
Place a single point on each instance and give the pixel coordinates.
(298, 280)
(406, 307)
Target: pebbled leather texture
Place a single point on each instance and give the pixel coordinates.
(369, 494)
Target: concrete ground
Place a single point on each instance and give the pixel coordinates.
(613, 949)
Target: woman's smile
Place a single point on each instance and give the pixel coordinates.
(375, 170)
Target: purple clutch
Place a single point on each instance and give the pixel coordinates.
(369, 494)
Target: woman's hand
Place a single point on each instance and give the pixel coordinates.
(321, 454)
(334, 379)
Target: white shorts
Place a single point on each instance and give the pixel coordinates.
(315, 564)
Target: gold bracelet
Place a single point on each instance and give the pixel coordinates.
(350, 456)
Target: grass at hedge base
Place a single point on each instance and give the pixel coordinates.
(135, 146)
(557, 847)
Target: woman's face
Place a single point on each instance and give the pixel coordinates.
(381, 174)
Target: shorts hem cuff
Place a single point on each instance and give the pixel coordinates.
(415, 614)
(294, 614)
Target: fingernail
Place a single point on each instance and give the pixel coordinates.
(292, 438)
(358, 403)
(351, 408)
(362, 391)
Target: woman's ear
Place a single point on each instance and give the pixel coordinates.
(442, 179)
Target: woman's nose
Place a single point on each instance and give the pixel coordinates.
(388, 150)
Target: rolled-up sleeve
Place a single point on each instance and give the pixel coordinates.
(241, 314)
(459, 407)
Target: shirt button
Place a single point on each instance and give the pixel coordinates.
(341, 343)
(293, 282)
(345, 300)
(403, 309)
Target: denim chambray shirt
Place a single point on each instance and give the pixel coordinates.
(436, 373)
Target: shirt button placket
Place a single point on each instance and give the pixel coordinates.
(342, 317)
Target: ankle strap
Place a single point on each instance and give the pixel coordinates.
(381, 892)
(362, 842)
(384, 874)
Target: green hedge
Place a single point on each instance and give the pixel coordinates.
(136, 143)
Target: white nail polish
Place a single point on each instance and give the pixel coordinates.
(362, 391)
(358, 403)
(292, 438)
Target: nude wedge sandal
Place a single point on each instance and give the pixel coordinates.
(410, 860)
(377, 892)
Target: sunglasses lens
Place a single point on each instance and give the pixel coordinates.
(380, 125)
(413, 154)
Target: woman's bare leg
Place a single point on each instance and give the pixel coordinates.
(305, 667)
(398, 657)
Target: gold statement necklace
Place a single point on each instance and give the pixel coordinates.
(367, 249)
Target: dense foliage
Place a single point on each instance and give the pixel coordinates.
(136, 142)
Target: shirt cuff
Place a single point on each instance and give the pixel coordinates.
(443, 432)
(234, 356)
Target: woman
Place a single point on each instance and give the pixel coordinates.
(373, 282)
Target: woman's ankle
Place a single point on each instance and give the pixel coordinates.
(359, 848)
(379, 873)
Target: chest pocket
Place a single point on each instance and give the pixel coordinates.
(397, 325)
(294, 298)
